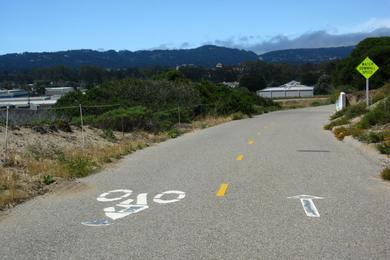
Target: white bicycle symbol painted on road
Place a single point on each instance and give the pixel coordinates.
(127, 207)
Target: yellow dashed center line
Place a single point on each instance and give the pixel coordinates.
(250, 141)
(222, 190)
(240, 157)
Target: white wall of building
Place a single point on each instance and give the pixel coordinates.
(287, 93)
(288, 90)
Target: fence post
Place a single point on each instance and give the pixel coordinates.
(123, 128)
(6, 135)
(178, 111)
(82, 126)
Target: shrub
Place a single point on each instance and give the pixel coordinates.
(63, 126)
(4, 181)
(315, 103)
(381, 93)
(238, 116)
(109, 135)
(385, 174)
(130, 92)
(80, 167)
(165, 120)
(48, 179)
(351, 111)
(337, 122)
(38, 152)
(258, 110)
(87, 120)
(378, 97)
(380, 114)
(384, 148)
(226, 101)
(127, 119)
(338, 114)
(141, 101)
(173, 133)
(355, 131)
(271, 108)
(355, 110)
(371, 137)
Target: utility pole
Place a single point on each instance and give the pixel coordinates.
(6, 135)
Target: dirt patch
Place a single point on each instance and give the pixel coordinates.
(69, 188)
(20, 138)
(3, 215)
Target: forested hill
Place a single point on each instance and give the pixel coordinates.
(300, 56)
(206, 56)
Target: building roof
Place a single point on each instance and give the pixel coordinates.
(60, 88)
(290, 86)
(26, 102)
(8, 91)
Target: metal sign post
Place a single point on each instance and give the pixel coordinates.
(367, 68)
(367, 92)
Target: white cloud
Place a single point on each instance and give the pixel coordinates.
(163, 46)
(331, 37)
(372, 24)
(373, 27)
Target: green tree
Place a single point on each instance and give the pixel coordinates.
(323, 85)
(253, 82)
(378, 49)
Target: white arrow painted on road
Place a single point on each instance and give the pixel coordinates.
(308, 204)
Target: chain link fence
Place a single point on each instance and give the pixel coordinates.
(53, 119)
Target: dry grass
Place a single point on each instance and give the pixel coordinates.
(340, 133)
(12, 188)
(209, 121)
(302, 102)
(22, 176)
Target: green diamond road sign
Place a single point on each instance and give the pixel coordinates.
(367, 68)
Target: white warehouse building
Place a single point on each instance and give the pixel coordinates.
(290, 89)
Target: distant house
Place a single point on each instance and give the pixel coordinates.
(234, 84)
(178, 67)
(290, 89)
(58, 91)
(13, 93)
(219, 65)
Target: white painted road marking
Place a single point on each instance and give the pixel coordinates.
(102, 197)
(308, 204)
(126, 208)
(180, 196)
(112, 213)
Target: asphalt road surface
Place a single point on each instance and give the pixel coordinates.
(218, 193)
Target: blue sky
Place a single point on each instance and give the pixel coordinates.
(52, 25)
